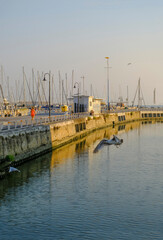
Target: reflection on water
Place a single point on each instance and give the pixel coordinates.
(60, 155)
(72, 193)
(31, 169)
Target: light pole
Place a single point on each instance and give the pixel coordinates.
(49, 92)
(83, 83)
(107, 58)
(78, 93)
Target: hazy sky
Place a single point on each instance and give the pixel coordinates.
(78, 34)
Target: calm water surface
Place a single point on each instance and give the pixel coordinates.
(73, 193)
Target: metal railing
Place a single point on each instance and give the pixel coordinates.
(24, 123)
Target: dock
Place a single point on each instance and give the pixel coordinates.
(27, 141)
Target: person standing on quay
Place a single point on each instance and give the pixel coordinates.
(33, 113)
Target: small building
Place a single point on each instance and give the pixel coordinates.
(83, 103)
(104, 107)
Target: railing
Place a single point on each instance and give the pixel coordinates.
(27, 122)
(134, 110)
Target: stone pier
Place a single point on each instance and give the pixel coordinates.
(25, 144)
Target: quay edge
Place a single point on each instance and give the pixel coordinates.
(26, 144)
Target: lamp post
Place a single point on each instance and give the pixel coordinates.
(78, 93)
(49, 92)
(83, 83)
(107, 58)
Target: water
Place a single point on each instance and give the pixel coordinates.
(73, 193)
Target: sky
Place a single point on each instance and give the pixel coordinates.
(66, 35)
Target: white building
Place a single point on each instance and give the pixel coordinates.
(84, 103)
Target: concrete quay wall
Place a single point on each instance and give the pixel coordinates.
(24, 143)
(34, 141)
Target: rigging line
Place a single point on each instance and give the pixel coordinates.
(142, 96)
(134, 96)
(56, 95)
(12, 96)
(4, 82)
(64, 94)
(38, 94)
(28, 88)
(36, 97)
(39, 88)
(20, 95)
(36, 84)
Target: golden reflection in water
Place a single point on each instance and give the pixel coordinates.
(59, 156)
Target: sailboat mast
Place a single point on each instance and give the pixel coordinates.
(8, 89)
(16, 91)
(154, 96)
(72, 83)
(66, 89)
(62, 92)
(2, 75)
(83, 83)
(33, 82)
(52, 89)
(24, 92)
(60, 97)
(139, 99)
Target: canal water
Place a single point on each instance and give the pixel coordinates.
(73, 193)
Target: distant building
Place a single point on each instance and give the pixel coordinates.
(83, 103)
(104, 107)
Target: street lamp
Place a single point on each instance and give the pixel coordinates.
(78, 93)
(49, 92)
(107, 58)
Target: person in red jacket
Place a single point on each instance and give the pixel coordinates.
(33, 113)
